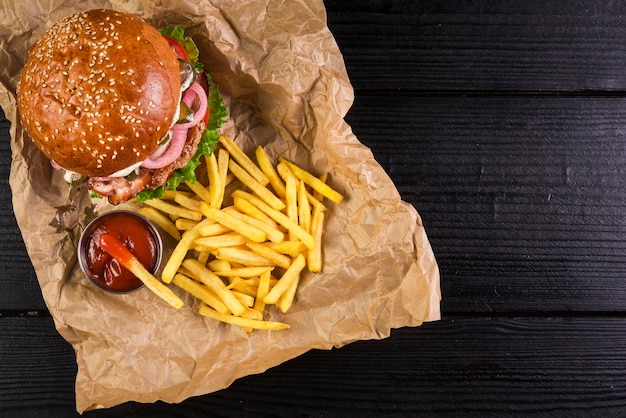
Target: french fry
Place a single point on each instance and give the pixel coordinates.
(214, 283)
(171, 194)
(238, 155)
(267, 168)
(291, 248)
(183, 224)
(273, 233)
(213, 228)
(279, 217)
(122, 255)
(304, 208)
(223, 218)
(199, 291)
(203, 257)
(314, 255)
(219, 265)
(285, 172)
(262, 291)
(290, 275)
(249, 209)
(215, 182)
(175, 210)
(246, 300)
(187, 202)
(256, 187)
(162, 221)
(314, 182)
(200, 191)
(180, 251)
(286, 299)
(246, 287)
(291, 200)
(275, 257)
(246, 257)
(240, 321)
(238, 271)
(231, 239)
(222, 170)
(323, 179)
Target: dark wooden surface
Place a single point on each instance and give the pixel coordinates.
(504, 124)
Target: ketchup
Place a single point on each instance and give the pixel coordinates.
(134, 233)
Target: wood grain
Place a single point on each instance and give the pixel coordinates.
(522, 197)
(470, 46)
(461, 366)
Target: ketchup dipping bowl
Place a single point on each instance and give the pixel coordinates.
(137, 234)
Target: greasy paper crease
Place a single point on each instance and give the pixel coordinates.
(286, 87)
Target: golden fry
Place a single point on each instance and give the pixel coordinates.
(291, 248)
(187, 202)
(286, 299)
(304, 208)
(323, 179)
(238, 155)
(314, 182)
(279, 217)
(285, 172)
(246, 257)
(238, 271)
(183, 224)
(262, 291)
(314, 255)
(224, 218)
(200, 291)
(272, 232)
(212, 229)
(214, 283)
(215, 183)
(175, 210)
(249, 209)
(162, 221)
(274, 256)
(200, 191)
(180, 251)
(231, 239)
(256, 187)
(267, 167)
(242, 322)
(291, 200)
(290, 275)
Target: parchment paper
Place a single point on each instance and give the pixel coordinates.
(286, 87)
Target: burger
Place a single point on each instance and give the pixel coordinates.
(120, 107)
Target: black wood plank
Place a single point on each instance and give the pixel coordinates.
(19, 290)
(483, 366)
(459, 45)
(522, 197)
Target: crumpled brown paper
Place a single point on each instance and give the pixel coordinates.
(286, 87)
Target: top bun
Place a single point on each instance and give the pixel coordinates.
(99, 91)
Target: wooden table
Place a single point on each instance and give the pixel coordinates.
(504, 124)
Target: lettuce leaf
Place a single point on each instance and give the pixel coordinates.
(210, 136)
(178, 34)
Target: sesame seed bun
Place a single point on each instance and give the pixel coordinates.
(99, 91)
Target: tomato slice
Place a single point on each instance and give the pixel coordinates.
(206, 116)
(177, 47)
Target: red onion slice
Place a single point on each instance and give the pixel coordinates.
(189, 97)
(175, 148)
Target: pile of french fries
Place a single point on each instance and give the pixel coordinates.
(245, 234)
